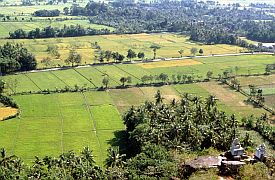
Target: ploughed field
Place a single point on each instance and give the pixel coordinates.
(170, 45)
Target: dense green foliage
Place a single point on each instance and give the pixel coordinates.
(263, 32)
(14, 57)
(224, 24)
(66, 166)
(47, 13)
(50, 32)
(262, 126)
(192, 123)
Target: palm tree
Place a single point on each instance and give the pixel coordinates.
(158, 97)
(87, 155)
(155, 48)
(211, 101)
(181, 52)
(114, 158)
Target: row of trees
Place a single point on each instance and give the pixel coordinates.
(47, 13)
(101, 55)
(49, 32)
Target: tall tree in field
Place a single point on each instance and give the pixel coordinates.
(74, 58)
(181, 52)
(108, 55)
(123, 80)
(194, 51)
(209, 75)
(201, 51)
(141, 55)
(120, 57)
(105, 81)
(131, 54)
(155, 47)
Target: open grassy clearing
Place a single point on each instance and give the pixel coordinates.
(170, 45)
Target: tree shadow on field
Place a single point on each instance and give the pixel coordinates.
(121, 140)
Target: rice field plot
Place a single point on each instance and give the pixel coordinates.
(266, 83)
(184, 70)
(228, 101)
(26, 10)
(125, 98)
(72, 77)
(56, 123)
(95, 76)
(246, 62)
(106, 117)
(98, 98)
(19, 83)
(134, 70)
(192, 89)
(270, 100)
(233, 102)
(46, 80)
(115, 73)
(257, 80)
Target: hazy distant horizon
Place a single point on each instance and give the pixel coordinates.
(246, 2)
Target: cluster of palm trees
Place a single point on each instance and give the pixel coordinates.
(191, 122)
(67, 166)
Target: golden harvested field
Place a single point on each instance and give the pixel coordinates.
(6, 112)
(175, 63)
